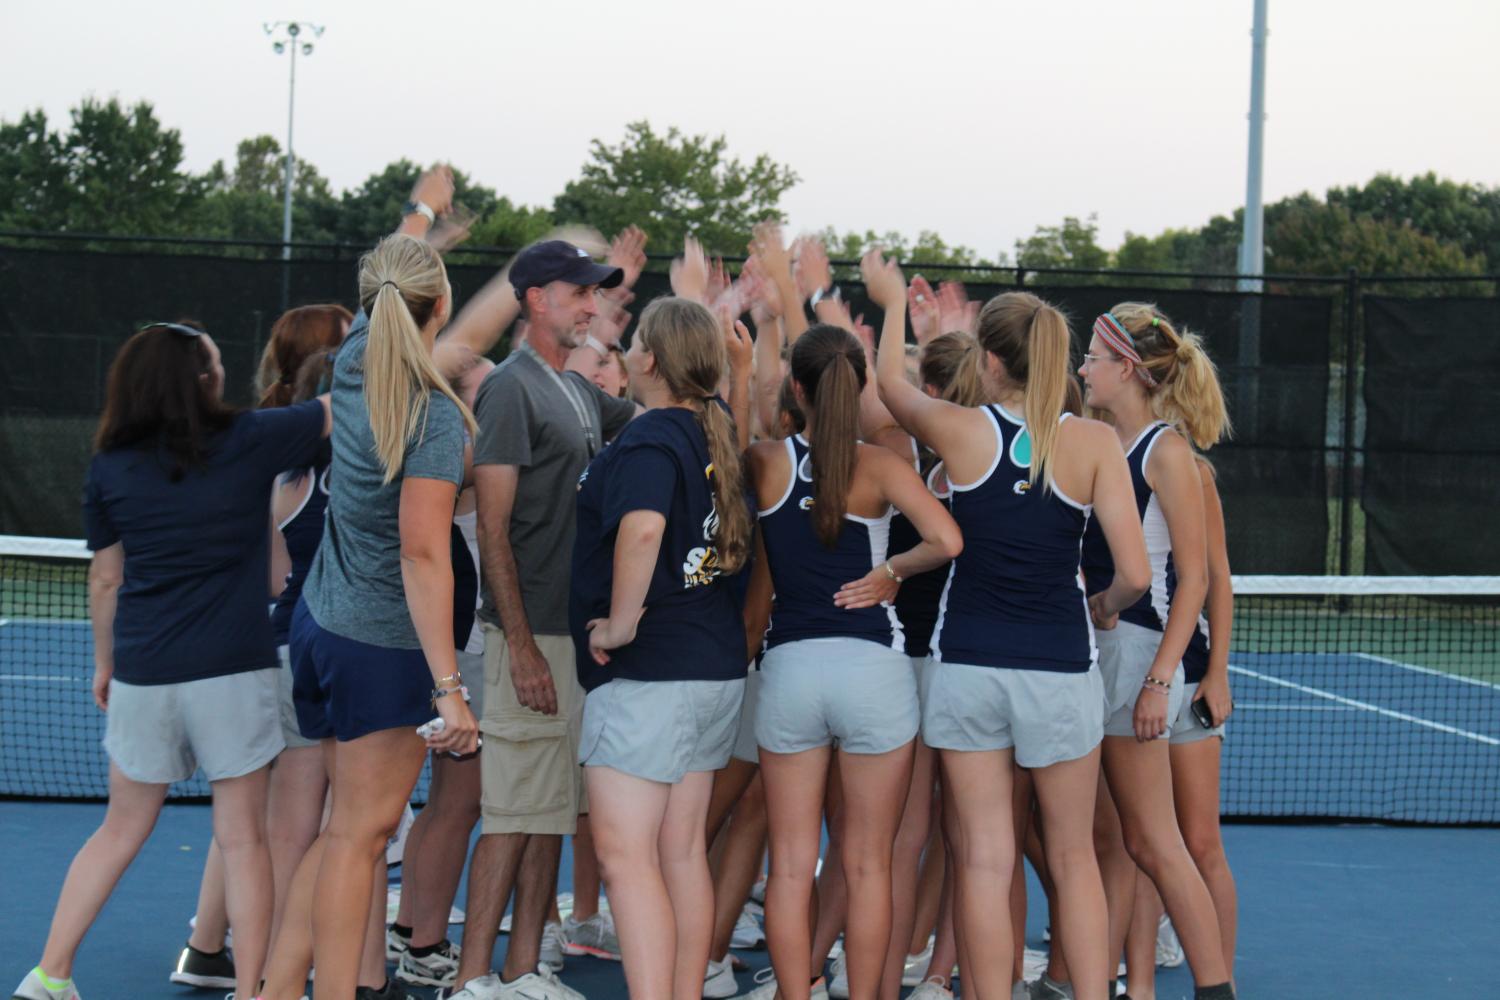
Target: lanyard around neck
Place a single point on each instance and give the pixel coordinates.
(570, 393)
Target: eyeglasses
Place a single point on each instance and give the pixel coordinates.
(1091, 358)
(181, 329)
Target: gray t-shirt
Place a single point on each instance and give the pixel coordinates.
(354, 588)
(549, 424)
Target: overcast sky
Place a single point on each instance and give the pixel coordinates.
(980, 120)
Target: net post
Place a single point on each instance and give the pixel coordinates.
(1348, 436)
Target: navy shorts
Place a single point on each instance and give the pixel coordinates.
(345, 689)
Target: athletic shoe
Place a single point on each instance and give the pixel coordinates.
(396, 944)
(551, 953)
(915, 972)
(204, 969)
(438, 968)
(758, 891)
(747, 931)
(485, 987)
(1046, 988)
(718, 982)
(594, 937)
(392, 990)
(1033, 963)
(765, 987)
(933, 989)
(39, 986)
(1168, 948)
(1018, 991)
(838, 986)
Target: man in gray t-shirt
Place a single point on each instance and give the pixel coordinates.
(538, 428)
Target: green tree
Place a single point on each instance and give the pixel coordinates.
(373, 209)
(117, 170)
(1330, 239)
(245, 202)
(1074, 244)
(510, 225)
(1466, 215)
(674, 185)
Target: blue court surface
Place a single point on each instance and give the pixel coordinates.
(1355, 911)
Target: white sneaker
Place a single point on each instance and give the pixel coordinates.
(396, 945)
(1168, 949)
(758, 891)
(34, 988)
(933, 989)
(838, 986)
(437, 969)
(485, 987)
(765, 987)
(542, 984)
(551, 953)
(594, 937)
(915, 972)
(1033, 963)
(718, 981)
(747, 931)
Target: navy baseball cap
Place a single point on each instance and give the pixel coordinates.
(559, 260)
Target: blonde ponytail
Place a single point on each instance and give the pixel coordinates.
(1187, 393)
(401, 283)
(953, 364)
(1031, 339)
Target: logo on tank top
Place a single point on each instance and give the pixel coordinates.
(806, 503)
(1020, 487)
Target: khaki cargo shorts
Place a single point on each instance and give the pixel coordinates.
(531, 781)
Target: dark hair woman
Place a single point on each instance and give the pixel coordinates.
(184, 660)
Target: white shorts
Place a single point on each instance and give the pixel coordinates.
(853, 692)
(745, 747)
(1047, 715)
(1125, 656)
(1187, 728)
(229, 726)
(660, 730)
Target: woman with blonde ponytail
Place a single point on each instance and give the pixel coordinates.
(372, 644)
(1162, 395)
(835, 667)
(1013, 677)
(662, 525)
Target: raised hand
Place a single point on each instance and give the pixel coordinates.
(955, 311)
(435, 189)
(612, 319)
(737, 342)
(627, 251)
(769, 247)
(689, 273)
(922, 303)
(884, 282)
(812, 270)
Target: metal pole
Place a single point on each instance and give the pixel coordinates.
(1252, 244)
(286, 201)
(1350, 436)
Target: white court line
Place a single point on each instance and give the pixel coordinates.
(1428, 670)
(44, 621)
(44, 678)
(1388, 713)
(1255, 706)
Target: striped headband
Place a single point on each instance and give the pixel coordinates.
(1110, 330)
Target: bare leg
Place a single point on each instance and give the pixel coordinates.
(97, 867)
(436, 848)
(1022, 795)
(586, 875)
(372, 780)
(292, 951)
(1116, 869)
(210, 920)
(929, 882)
(1195, 790)
(372, 957)
(830, 901)
(794, 786)
(684, 866)
(294, 811)
(492, 877)
(1065, 794)
(946, 948)
(984, 860)
(631, 814)
(1057, 965)
(906, 861)
(239, 818)
(741, 849)
(536, 890)
(875, 794)
(730, 783)
(1140, 940)
(1141, 780)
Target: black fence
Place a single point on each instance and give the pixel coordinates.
(1361, 443)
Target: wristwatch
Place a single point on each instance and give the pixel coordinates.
(419, 208)
(831, 292)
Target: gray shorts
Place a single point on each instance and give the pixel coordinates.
(471, 669)
(745, 747)
(660, 730)
(852, 692)
(161, 733)
(289, 731)
(1186, 729)
(1049, 717)
(1125, 655)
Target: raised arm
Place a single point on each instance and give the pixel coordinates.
(740, 348)
(776, 264)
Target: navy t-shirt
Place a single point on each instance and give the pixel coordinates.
(193, 604)
(692, 628)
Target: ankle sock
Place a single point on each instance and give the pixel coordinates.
(52, 984)
(427, 949)
(401, 930)
(1222, 991)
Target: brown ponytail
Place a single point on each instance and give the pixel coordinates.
(295, 336)
(684, 339)
(952, 364)
(829, 364)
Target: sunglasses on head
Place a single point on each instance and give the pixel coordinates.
(181, 329)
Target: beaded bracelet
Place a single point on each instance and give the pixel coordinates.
(451, 677)
(1160, 687)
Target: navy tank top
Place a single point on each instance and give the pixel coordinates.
(917, 600)
(1014, 597)
(805, 573)
(303, 530)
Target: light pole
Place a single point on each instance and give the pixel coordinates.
(287, 37)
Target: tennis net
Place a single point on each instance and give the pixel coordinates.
(1366, 698)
